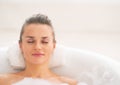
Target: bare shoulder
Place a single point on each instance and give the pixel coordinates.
(4, 78)
(10, 78)
(68, 80)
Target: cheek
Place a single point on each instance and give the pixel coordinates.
(26, 50)
(49, 50)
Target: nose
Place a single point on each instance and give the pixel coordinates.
(38, 46)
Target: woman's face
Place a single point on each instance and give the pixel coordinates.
(37, 43)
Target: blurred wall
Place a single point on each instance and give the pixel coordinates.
(89, 26)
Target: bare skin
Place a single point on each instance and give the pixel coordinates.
(37, 47)
(9, 79)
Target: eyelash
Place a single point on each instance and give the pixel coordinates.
(30, 41)
(45, 42)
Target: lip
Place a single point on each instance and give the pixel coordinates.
(38, 54)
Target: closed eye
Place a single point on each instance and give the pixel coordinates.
(45, 42)
(31, 41)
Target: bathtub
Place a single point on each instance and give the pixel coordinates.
(85, 66)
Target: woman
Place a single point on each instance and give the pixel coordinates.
(37, 43)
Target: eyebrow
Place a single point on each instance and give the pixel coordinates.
(45, 37)
(29, 37)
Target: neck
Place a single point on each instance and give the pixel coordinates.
(35, 71)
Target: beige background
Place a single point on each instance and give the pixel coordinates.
(89, 25)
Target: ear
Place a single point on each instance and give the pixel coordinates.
(20, 45)
(54, 45)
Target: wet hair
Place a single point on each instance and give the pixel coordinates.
(37, 19)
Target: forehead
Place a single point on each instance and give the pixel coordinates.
(37, 30)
